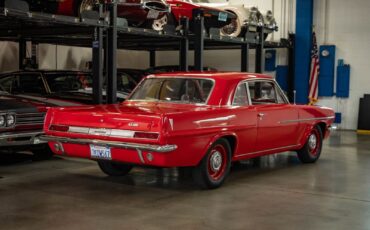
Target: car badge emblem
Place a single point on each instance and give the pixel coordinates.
(133, 124)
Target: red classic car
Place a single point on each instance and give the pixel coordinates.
(213, 17)
(137, 12)
(199, 120)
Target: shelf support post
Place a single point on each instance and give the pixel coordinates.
(198, 18)
(260, 56)
(184, 45)
(152, 58)
(22, 52)
(97, 63)
(112, 55)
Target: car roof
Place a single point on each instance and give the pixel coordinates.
(45, 72)
(216, 75)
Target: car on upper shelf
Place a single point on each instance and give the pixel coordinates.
(199, 120)
(75, 86)
(248, 18)
(21, 120)
(213, 17)
(139, 13)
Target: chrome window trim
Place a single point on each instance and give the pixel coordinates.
(277, 88)
(176, 77)
(248, 94)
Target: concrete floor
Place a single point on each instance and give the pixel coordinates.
(278, 193)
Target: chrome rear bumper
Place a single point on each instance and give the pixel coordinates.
(20, 138)
(114, 144)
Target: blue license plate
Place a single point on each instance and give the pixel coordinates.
(100, 152)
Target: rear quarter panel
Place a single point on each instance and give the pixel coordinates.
(311, 116)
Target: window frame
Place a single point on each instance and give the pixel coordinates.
(245, 82)
(277, 88)
(173, 77)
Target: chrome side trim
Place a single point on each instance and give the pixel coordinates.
(267, 150)
(306, 119)
(115, 144)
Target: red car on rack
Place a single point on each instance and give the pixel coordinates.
(137, 12)
(199, 120)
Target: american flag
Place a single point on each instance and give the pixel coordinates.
(315, 68)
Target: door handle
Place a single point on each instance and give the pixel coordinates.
(261, 115)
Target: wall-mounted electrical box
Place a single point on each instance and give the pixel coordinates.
(343, 80)
(270, 60)
(327, 65)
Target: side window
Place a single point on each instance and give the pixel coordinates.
(6, 83)
(30, 83)
(241, 95)
(265, 92)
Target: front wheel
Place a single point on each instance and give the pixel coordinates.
(113, 168)
(311, 151)
(234, 29)
(215, 166)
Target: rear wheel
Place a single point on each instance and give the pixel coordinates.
(215, 166)
(113, 168)
(311, 151)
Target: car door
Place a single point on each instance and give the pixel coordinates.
(276, 118)
(246, 121)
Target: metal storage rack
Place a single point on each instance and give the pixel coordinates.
(109, 34)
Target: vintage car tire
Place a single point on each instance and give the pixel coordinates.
(113, 168)
(78, 6)
(211, 176)
(237, 31)
(311, 151)
(42, 153)
(152, 24)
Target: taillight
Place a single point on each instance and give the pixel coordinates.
(146, 135)
(59, 128)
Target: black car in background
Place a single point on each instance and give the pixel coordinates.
(73, 86)
(21, 121)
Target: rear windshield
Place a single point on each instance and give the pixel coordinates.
(178, 90)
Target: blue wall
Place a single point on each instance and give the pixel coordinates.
(303, 43)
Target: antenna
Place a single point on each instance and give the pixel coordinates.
(295, 96)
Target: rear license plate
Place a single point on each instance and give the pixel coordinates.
(152, 14)
(222, 16)
(100, 152)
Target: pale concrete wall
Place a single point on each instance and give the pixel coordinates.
(345, 24)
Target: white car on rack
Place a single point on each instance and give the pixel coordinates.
(248, 18)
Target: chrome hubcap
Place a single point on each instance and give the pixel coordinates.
(159, 24)
(216, 161)
(312, 141)
(230, 28)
